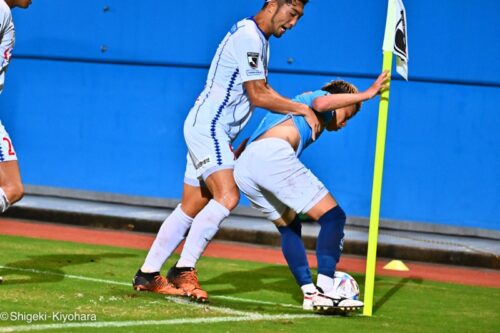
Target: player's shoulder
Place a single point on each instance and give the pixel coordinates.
(5, 13)
(4, 9)
(245, 28)
(309, 96)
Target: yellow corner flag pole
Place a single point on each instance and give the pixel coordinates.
(371, 260)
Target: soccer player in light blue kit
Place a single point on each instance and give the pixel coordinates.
(276, 182)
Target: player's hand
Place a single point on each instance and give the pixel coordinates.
(379, 86)
(313, 122)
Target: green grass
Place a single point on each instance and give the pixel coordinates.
(48, 276)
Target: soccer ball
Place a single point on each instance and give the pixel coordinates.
(345, 285)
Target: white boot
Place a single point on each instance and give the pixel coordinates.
(332, 302)
(308, 300)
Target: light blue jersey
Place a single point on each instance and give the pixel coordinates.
(272, 119)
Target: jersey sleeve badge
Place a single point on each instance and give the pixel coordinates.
(253, 59)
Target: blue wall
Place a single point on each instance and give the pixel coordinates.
(112, 121)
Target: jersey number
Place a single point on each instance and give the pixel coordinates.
(11, 150)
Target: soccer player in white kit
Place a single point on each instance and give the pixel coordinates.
(273, 178)
(11, 188)
(236, 84)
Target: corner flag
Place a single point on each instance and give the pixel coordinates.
(395, 41)
(395, 38)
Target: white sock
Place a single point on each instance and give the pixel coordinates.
(4, 202)
(325, 283)
(171, 233)
(205, 226)
(308, 288)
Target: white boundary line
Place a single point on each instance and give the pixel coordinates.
(247, 300)
(78, 277)
(173, 299)
(239, 315)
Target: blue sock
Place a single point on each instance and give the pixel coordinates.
(295, 252)
(330, 240)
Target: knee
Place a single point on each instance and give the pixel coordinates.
(14, 192)
(228, 198)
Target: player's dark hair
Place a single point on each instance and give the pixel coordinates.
(341, 87)
(288, 2)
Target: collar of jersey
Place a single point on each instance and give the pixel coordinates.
(262, 32)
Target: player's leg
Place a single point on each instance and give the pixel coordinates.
(295, 255)
(206, 223)
(329, 244)
(175, 227)
(173, 230)
(255, 162)
(204, 227)
(11, 188)
(329, 247)
(213, 159)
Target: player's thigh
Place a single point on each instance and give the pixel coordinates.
(223, 187)
(10, 180)
(194, 198)
(324, 205)
(221, 181)
(209, 149)
(195, 194)
(245, 177)
(9, 173)
(278, 170)
(213, 161)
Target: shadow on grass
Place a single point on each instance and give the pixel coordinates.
(48, 268)
(391, 292)
(277, 278)
(274, 278)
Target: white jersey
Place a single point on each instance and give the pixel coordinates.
(242, 56)
(7, 37)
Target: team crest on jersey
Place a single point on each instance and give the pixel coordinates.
(253, 59)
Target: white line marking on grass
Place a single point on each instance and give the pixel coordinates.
(177, 300)
(229, 311)
(78, 277)
(246, 300)
(193, 321)
(84, 278)
(243, 315)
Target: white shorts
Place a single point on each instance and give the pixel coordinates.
(209, 150)
(7, 152)
(272, 177)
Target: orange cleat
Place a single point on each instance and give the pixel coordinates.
(185, 278)
(155, 283)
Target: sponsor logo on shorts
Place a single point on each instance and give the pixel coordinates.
(202, 163)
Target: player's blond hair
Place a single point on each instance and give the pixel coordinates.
(342, 87)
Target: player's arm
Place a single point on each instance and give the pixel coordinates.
(249, 52)
(263, 96)
(336, 101)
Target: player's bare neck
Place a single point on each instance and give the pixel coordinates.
(263, 20)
